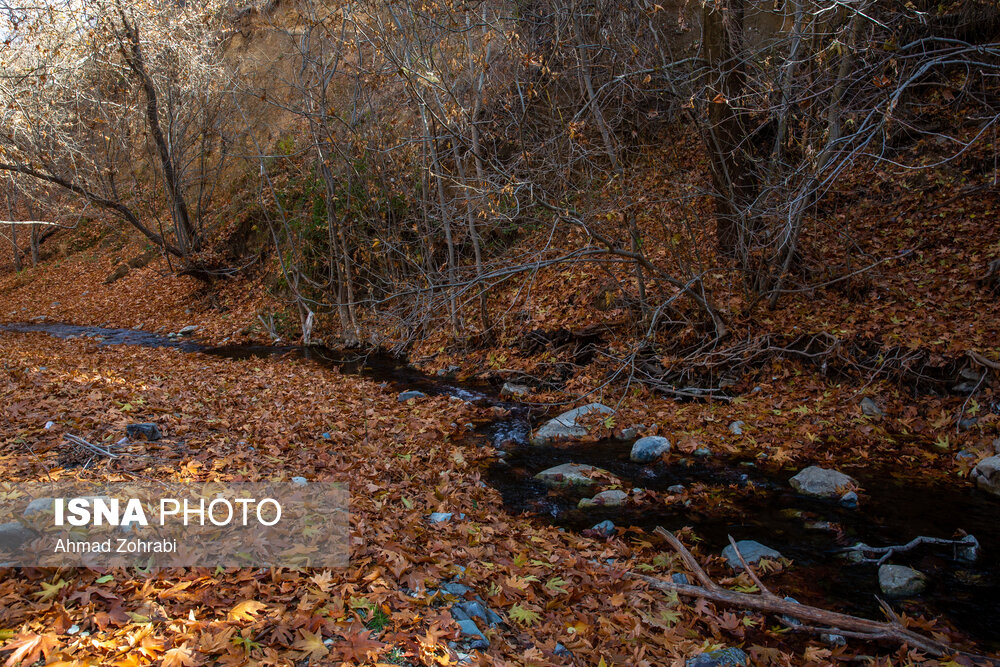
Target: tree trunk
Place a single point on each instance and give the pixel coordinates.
(726, 136)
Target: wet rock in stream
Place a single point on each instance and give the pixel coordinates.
(565, 426)
(752, 551)
(986, 474)
(570, 474)
(822, 483)
(900, 581)
(649, 449)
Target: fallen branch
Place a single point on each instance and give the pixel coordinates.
(819, 620)
(983, 361)
(966, 549)
(76, 440)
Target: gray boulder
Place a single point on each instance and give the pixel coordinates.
(822, 483)
(569, 474)
(752, 552)
(511, 390)
(13, 534)
(38, 506)
(146, 431)
(407, 395)
(650, 448)
(900, 581)
(724, 657)
(565, 426)
(614, 498)
(871, 409)
(986, 474)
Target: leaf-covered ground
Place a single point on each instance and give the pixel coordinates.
(264, 419)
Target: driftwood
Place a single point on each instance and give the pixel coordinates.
(966, 549)
(816, 620)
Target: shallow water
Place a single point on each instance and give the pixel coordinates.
(748, 500)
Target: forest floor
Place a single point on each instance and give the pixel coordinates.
(560, 593)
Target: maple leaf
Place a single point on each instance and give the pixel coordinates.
(49, 591)
(29, 647)
(524, 616)
(245, 610)
(323, 580)
(357, 646)
(180, 656)
(310, 644)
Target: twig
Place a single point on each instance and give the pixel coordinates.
(819, 620)
(76, 440)
(983, 361)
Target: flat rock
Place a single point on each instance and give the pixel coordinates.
(510, 390)
(565, 426)
(901, 581)
(570, 474)
(822, 483)
(13, 534)
(649, 449)
(986, 474)
(724, 657)
(613, 498)
(871, 409)
(145, 431)
(407, 395)
(299, 481)
(752, 552)
(188, 330)
(38, 506)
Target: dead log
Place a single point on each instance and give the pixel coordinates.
(818, 620)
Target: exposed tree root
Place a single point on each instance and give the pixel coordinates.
(818, 620)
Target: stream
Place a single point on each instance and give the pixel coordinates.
(745, 499)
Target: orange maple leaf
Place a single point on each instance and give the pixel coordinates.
(29, 647)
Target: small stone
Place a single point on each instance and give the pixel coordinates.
(13, 534)
(570, 474)
(73, 629)
(725, 657)
(986, 474)
(967, 423)
(736, 428)
(790, 621)
(849, 500)
(901, 581)
(455, 588)
(49, 425)
(443, 517)
(470, 629)
(407, 395)
(833, 639)
(188, 330)
(38, 506)
(613, 498)
(702, 451)
(631, 433)
(511, 390)
(327, 436)
(476, 609)
(968, 552)
(822, 483)
(871, 409)
(752, 552)
(147, 431)
(649, 449)
(605, 528)
(676, 488)
(965, 455)
(565, 426)
(299, 481)
(680, 578)
(562, 651)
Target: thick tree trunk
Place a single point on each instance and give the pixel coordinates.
(727, 133)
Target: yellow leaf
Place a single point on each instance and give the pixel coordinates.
(245, 610)
(311, 645)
